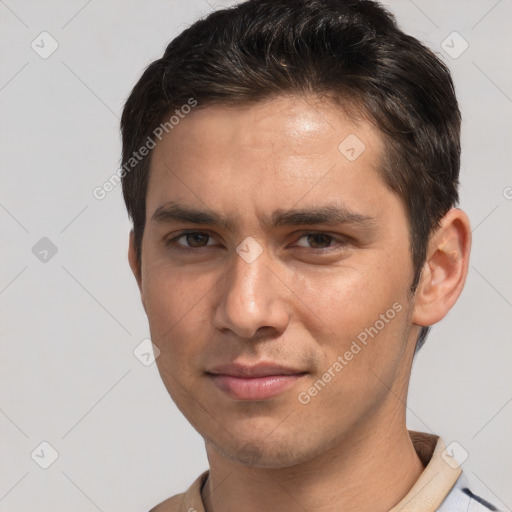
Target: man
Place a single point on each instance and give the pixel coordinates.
(291, 170)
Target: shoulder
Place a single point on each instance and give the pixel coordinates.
(463, 499)
(189, 501)
(172, 504)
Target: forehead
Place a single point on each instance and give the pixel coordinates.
(271, 154)
(305, 125)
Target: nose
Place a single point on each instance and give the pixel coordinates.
(251, 298)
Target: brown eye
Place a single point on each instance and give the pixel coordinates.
(190, 240)
(196, 239)
(316, 240)
(319, 241)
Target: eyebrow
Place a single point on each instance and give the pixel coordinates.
(328, 214)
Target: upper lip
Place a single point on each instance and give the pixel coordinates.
(257, 370)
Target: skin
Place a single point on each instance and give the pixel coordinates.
(301, 303)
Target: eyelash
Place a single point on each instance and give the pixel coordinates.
(173, 241)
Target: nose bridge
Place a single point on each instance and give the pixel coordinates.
(248, 278)
(250, 297)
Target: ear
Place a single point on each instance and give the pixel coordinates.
(445, 270)
(134, 263)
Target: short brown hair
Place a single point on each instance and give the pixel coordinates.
(350, 52)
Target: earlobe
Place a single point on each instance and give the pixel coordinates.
(445, 269)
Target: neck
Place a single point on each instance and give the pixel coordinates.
(370, 471)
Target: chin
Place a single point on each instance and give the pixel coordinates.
(270, 453)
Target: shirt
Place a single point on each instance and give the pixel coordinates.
(441, 486)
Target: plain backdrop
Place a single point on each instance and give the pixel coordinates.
(71, 317)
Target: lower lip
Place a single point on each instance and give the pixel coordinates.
(254, 388)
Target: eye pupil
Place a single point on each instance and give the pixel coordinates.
(195, 239)
(324, 240)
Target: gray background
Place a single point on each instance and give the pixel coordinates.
(70, 323)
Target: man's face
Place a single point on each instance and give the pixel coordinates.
(324, 296)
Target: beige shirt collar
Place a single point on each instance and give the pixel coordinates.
(439, 476)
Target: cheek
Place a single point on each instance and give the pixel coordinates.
(361, 362)
(175, 302)
(360, 315)
(348, 300)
